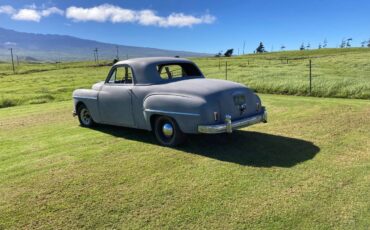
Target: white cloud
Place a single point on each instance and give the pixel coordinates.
(6, 9)
(52, 10)
(107, 13)
(30, 12)
(115, 14)
(27, 15)
(181, 20)
(101, 13)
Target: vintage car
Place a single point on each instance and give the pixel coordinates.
(169, 96)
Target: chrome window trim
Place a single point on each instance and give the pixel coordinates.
(85, 97)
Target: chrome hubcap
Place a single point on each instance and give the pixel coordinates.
(85, 116)
(167, 130)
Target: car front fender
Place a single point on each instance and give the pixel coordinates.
(89, 97)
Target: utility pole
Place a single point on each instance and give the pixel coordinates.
(97, 55)
(94, 56)
(117, 56)
(17, 61)
(243, 47)
(11, 53)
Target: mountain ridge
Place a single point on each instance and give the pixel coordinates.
(57, 47)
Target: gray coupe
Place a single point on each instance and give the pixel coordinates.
(169, 96)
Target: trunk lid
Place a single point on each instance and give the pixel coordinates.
(232, 98)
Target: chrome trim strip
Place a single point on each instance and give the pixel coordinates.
(171, 112)
(222, 128)
(85, 97)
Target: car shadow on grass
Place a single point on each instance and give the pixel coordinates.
(246, 148)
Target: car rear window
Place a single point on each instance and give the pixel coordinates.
(178, 70)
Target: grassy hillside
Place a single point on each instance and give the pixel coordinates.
(336, 73)
(307, 168)
(341, 73)
(41, 83)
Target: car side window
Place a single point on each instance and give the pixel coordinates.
(121, 75)
(171, 71)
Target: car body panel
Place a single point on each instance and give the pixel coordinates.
(191, 101)
(115, 104)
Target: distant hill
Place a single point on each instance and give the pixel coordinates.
(48, 47)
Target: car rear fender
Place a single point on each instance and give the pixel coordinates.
(186, 110)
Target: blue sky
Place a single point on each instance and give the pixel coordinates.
(194, 25)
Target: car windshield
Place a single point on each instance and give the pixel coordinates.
(178, 71)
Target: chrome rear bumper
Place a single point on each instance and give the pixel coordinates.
(229, 125)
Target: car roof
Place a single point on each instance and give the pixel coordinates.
(145, 69)
(152, 60)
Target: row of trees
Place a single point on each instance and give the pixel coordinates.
(228, 53)
(346, 43)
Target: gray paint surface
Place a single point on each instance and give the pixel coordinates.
(190, 101)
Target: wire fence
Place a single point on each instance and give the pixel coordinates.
(322, 77)
(341, 76)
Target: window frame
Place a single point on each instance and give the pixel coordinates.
(113, 69)
(161, 67)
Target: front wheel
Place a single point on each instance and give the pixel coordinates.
(168, 132)
(84, 116)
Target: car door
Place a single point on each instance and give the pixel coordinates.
(115, 97)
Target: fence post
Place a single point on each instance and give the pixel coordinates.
(310, 66)
(226, 70)
(11, 52)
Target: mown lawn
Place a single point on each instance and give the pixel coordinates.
(309, 167)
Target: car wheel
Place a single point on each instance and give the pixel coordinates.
(84, 116)
(168, 132)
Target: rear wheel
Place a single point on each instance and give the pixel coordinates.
(84, 116)
(168, 132)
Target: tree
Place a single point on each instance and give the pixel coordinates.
(348, 44)
(363, 43)
(260, 48)
(229, 53)
(282, 47)
(308, 46)
(320, 46)
(368, 43)
(343, 44)
(325, 43)
(302, 47)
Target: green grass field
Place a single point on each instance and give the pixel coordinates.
(307, 168)
(343, 73)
